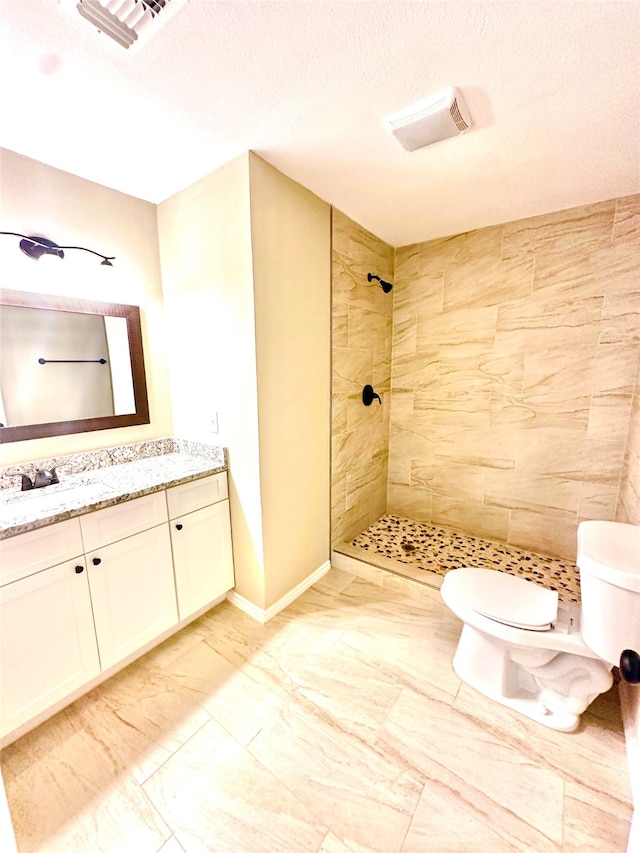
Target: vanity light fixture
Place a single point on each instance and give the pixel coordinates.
(36, 247)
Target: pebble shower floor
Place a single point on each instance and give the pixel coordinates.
(436, 550)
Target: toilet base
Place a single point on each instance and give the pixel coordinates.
(486, 665)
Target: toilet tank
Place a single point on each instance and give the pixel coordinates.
(609, 563)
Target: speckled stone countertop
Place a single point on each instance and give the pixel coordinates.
(102, 478)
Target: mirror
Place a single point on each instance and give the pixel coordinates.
(68, 365)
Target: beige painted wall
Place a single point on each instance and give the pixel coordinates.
(361, 349)
(37, 199)
(245, 265)
(290, 235)
(515, 351)
(205, 248)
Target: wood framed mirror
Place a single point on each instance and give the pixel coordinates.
(68, 366)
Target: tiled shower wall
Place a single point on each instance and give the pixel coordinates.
(361, 356)
(515, 356)
(629, 503)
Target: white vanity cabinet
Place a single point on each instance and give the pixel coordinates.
(47, 638)
(130, 575)
(81, 598)
(201, 542)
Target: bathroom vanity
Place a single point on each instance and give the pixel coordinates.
(97, 570)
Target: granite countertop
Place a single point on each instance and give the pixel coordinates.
(96, 488)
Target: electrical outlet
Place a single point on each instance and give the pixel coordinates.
(213, 422)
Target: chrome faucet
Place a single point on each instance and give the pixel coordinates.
(41, 479)
(45, 478)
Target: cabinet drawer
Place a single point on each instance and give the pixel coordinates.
(116, 522)
(31, 552)
(197, 494)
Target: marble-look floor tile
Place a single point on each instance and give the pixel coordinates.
(364, 795)
(332, 844)
(215, 796)
(447, 821)
(239, 704)
(172, 846)
(337, 727)
(345, 687)
(81, 798)
(594, 822)
(521, 795)
(142, 718)
(594, 756)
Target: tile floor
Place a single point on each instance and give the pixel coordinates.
(426, 553)
(338, 727)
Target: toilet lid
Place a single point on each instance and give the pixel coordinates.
(505, 598)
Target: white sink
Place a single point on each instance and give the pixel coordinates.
(50, 499)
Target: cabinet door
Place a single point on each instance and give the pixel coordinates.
(202, 556)
(47, 641)
(133, 592)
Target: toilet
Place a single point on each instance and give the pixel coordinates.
(548, 660)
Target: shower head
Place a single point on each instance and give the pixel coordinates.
(385, 285)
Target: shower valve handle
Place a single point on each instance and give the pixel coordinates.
(369, 395)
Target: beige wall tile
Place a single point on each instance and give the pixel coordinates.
(626, 225)
(597, 502)
(485, 521)
(486, 282)
(569, 454)
(464, 326)
(571, 231)
(525, 372)
(494, 447)
(620, 318)
(407, 263)
(404, 341)
(606, 269)
(400, 470)
(401, 407)
(545, 532)
(339, 412)
(361, 356)
(351, 367)
(609, 415)
(409, 502)
(516, 490)
(340, 324)
(449, 479)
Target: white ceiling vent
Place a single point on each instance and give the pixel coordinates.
(440, 117)
(126, 20)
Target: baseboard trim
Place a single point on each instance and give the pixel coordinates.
(264, 616)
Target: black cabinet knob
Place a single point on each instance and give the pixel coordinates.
(96, 561)
(79, 570)
(630, 666)
(178, 527)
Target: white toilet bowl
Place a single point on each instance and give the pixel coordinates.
(524, 649)
(542, 669)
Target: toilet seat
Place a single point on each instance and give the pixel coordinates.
(505, 598)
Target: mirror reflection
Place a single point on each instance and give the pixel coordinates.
(68, 366)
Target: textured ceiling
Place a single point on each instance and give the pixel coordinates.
(553, 89)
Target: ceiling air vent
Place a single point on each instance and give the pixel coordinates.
(440, 117)
(126, 20)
